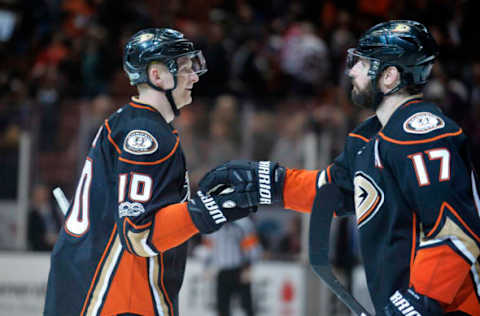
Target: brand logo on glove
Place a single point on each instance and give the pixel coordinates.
(403, 305)
(264, 183)
(212, 208)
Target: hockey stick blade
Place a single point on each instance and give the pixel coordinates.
(319, 235)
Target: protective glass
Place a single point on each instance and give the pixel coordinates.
(353, 57)
(192, 62)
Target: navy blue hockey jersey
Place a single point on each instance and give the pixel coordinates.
(415, 197)
(123, 246)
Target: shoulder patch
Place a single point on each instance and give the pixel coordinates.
(422, 123)
(139, 142)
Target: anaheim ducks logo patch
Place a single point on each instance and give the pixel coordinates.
(140, 142)
(422, 123)
(368, 198)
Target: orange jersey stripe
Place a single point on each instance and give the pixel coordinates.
(172, 226)
(421, 141)
(455, 213)
(366, 214)
(92, 283)
(149, 163)
(359, 136)
(329, 175)
(300, 189)
(110, 137)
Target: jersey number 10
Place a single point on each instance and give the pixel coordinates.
(77, 223)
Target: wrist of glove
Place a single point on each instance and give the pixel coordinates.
(210, 213)
(409, 302)
(263, 178)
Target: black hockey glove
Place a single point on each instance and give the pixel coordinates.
(209, 213)
(409, 302)
(264, 178)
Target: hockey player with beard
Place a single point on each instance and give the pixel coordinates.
(407, 175)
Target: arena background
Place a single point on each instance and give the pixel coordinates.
(274, 90)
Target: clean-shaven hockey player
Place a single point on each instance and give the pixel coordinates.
(123, 247)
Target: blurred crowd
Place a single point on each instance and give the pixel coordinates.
(275, 87)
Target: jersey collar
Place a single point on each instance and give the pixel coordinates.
(413, 99)
(137, 104)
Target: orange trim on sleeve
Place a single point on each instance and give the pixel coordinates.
(149, 163)
(455, 213)
(421, 141)
(172, 227)
(439, 272)
(300, 189)
(92, 283)
(249, 242)
(110, 137)
(359, 136)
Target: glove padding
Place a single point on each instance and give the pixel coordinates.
(263, 178)
(209, 213)
(410, 303)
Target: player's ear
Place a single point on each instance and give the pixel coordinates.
(160, 76)
(390, 78)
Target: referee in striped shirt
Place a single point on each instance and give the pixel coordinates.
(232, 251)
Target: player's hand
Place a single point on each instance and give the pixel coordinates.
(264, 178)
(209, 213)
(409, 302)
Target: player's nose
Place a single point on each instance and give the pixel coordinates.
(194, 77)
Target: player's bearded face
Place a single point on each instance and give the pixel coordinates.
(364, 97)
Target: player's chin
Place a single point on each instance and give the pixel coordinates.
(186, 101)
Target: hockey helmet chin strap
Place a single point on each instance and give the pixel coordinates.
(379, 95)
(168, 94)
(374, 73)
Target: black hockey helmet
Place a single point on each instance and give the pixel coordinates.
(405, 44)
(162, 45)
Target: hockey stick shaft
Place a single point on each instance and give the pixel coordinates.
(334, 285)
(328, 198)
(61, 200)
